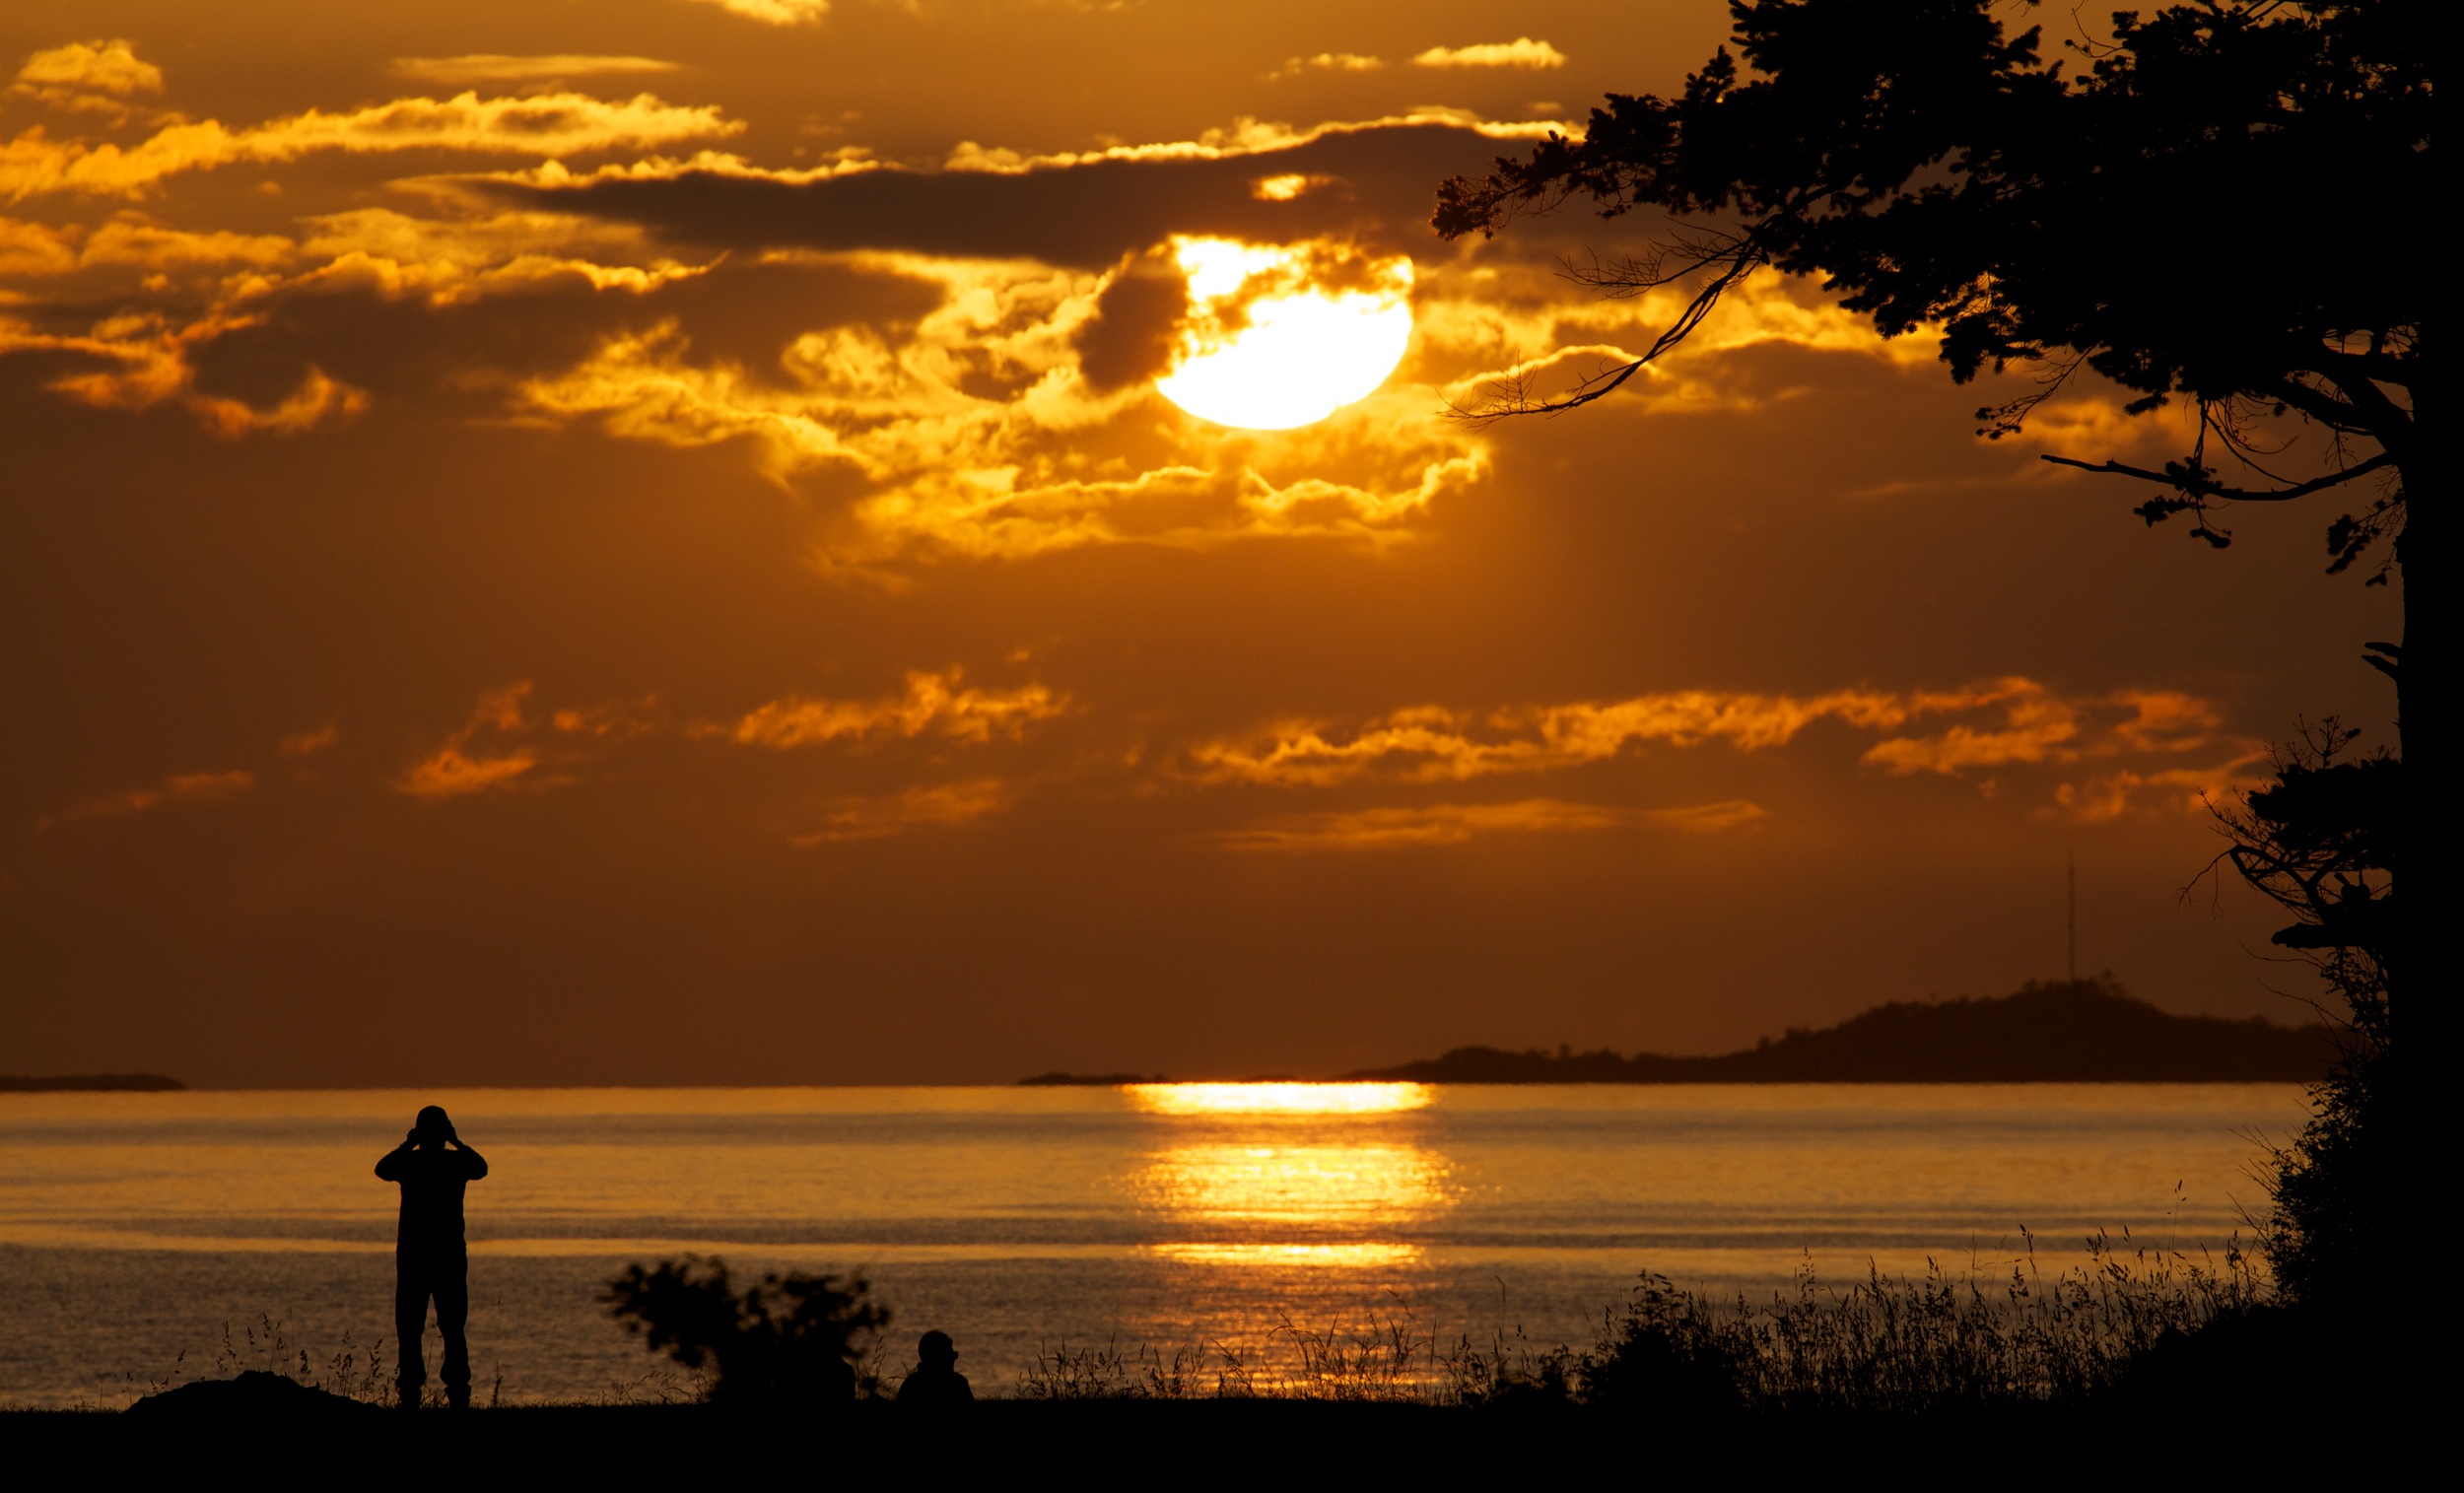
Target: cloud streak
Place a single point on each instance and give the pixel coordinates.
(1081, 210)
(773, 11)
(480, 757)
(510, 743)
(2031, 724)
(932, 703)
(144, 362)
(87, 77)
(497, 67)
(544, 125)
(1521, 53)
(934, 806)
(176, 789)
(1376, 829)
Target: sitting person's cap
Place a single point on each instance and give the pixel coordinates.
(935, 1344)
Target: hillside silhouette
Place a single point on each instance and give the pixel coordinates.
(2082, 1030)
(1060, 1080)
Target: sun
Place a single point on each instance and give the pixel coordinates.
(1284, 336)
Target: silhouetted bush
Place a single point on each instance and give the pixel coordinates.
(793, 1336)
(2336, 1186)
(1667, 1354)
(2321, 842)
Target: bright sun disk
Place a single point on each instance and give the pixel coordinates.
(1267, 348)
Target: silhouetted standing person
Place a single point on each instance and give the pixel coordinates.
(936, 1380)
(429, 1260)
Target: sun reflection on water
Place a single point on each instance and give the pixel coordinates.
(1327, 1185)
(1278, 1174)
(1355, 1257)
(1279, 1098)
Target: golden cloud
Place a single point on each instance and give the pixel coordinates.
(317, 399)
(378, 250)
(461, 767)
(98, 77)
(932, 703)
(842, 162)
(507, 742)
(500, 744)
(29, 250)
(178, 789)
(451, 772)
(2039, 727)
(939, 806)
(455, 261)
(148, 365)
(1476, 314)
(323, 739)
(1328, 62)
(1249, 136)
(497, 67)
(1456, 823)
(773, 11)
(138, 243)
(1522, 52)
(540, 125)
(1436, 744)
(2179, 790)
(1287, 186)
(2036, 727)
(982, 436)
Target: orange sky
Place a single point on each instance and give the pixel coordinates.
(638, 542)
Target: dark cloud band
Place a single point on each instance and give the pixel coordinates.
(1378, 186)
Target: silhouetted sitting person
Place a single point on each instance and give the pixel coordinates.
(429, 1260)
(936, 1380)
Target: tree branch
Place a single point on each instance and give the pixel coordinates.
(1743, 259)
(2186, 480)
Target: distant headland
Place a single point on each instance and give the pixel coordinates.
(123, 1083)
(1088, 1080)
(2082, 1030)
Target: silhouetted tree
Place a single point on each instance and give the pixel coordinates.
(2227, 204)
(794, 1337)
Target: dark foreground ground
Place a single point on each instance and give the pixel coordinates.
(1204, 1443)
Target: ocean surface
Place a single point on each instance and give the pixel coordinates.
(153, 1238)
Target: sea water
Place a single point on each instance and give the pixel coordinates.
(153, 1238)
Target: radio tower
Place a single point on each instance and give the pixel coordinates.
(2070, 860)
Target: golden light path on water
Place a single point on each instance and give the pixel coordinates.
(1279, 336)
(1297, 1173)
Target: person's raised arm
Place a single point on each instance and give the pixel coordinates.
(474, 1165)
(389, 1165)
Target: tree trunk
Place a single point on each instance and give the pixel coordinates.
(2419, 1019)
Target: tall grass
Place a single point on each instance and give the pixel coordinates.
(348, 1371)
(1384, 1358)
(1879, 1345)
(1885, 1345)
